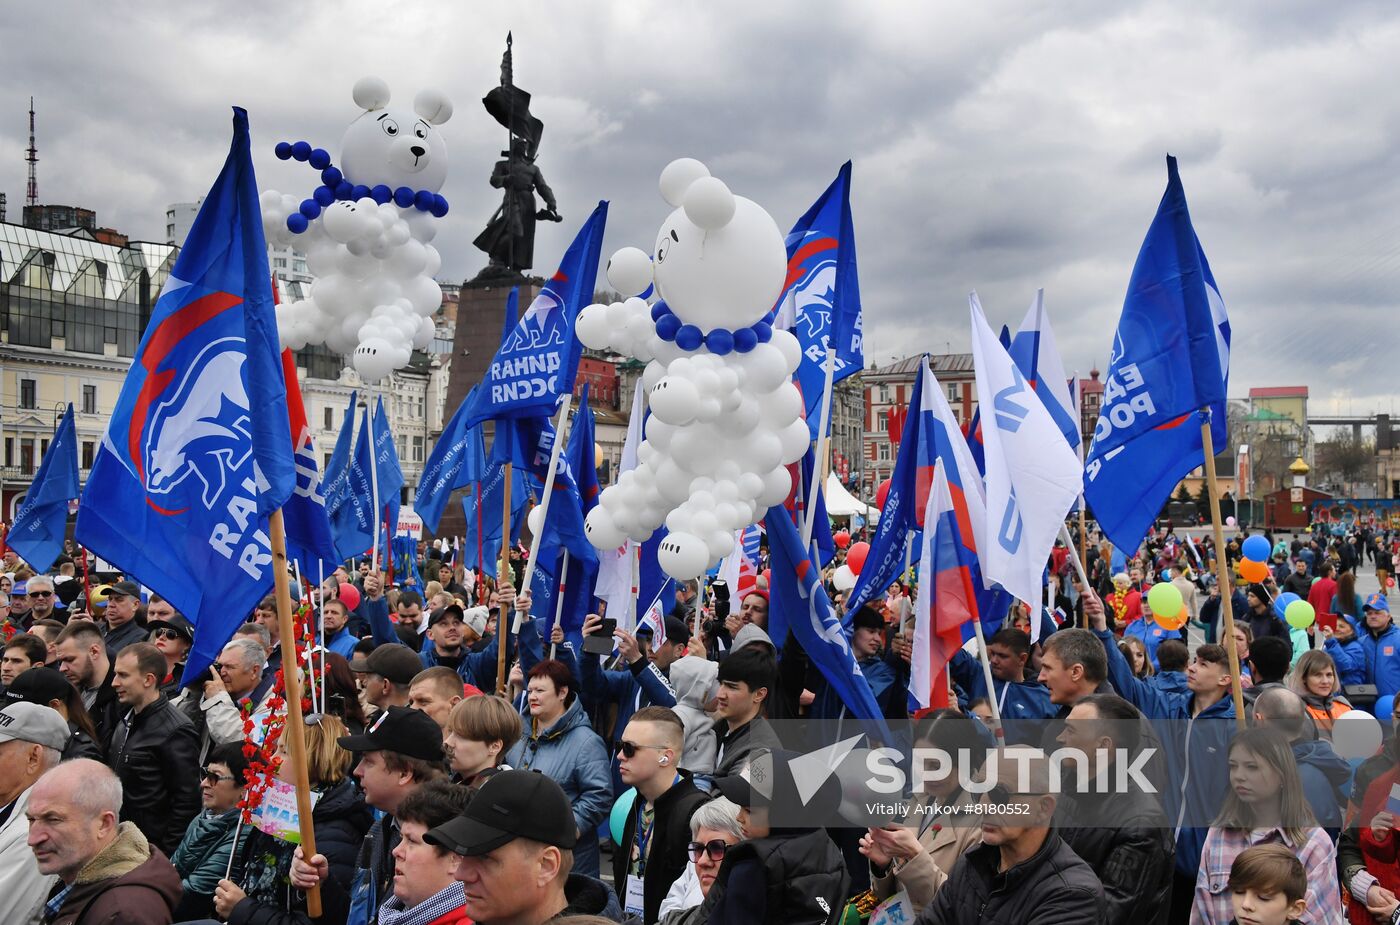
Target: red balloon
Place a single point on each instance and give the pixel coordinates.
(841, 538)
(768, 578)
(855, 556)
(349, 595)
(881, 493)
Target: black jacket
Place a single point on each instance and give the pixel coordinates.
(106, 712)
(792, 877)
(736, 750)
(666, 855)
(80, 745)
(1127, 842)
(1053, 887)
(156, 755)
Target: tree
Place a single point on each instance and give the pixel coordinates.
(1183, 493)
(1343, 459)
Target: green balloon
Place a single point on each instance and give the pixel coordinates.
(1165, 600)
(1300, 615)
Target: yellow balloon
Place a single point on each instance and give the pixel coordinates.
(598, 456)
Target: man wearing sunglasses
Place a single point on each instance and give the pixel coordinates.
(40, 592)
(652, 853)
(1023, 871)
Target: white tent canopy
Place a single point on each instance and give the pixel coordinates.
(841, 503)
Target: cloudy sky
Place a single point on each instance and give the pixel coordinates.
(996, 146)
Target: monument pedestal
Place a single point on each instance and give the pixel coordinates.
(480, 317)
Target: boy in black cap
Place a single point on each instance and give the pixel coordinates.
(515, 840)
(401, 751)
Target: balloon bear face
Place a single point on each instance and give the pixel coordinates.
(396, 146)
(727, 277)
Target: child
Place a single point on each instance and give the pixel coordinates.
(1267, 886)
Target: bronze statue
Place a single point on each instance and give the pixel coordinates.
(509, 238)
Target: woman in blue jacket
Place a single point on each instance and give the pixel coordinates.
(561, 744)
(1346, 650)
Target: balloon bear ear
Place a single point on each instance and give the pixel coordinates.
(433, 105)
(709, 203)
(677, 177)
(371, 93)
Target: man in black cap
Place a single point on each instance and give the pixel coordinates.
(124, 621)
(386, 674)
(515, 842)
(401, 751)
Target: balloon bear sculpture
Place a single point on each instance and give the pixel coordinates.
(366, 231)
(726, 418)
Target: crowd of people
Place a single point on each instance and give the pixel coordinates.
(645, 780)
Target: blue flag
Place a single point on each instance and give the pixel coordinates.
(405, 560)
(42, 521)
(348, 492)
(458, 460)
(386, 462)
(797, 596)
(486, 530)
(196, 455)
(824, 292)
(310, 540)
(1169, 364)
(534, 368)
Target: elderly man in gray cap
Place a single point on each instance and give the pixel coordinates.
(31, 741)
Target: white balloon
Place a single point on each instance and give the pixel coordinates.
(675, 400)
(780, 407)
(600, 529)
(677, 177)
(700, 489)
(639, 329)
(660, 434)
(678, 521)
(750, 485)
(764, 368)
(629, 271)
(843, 579)
(709, 203)
(795, 438)
(704, 522)
(653, 373)
(535, 520)
(683, 556)
(777, 485)
(763, 451)
(592, 327)
(786, 344)
(719, 543)
(744, 418)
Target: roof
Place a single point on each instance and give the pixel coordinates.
(908, 367)
(57, 261)
(1090, 386)
(1280, 391)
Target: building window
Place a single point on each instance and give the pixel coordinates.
(954, 392)
(89, 399)
(417, 449)
(28, 394)
(884, 394)
(330, 418)
(89, 448)
(882, 452)
(9, 451)
(326, 463)
(280, 263)
(26, 457)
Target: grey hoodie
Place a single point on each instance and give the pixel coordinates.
(693, 678)
(750, 633)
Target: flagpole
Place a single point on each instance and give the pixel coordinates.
(503, 574)
(559, 427)
(1222, 571)
(480, 544)
(373, 486)
(321, 621)
(987, 678)
(559, 600)
(295, 739)
(823, 448)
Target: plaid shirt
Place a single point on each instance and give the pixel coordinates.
(53, 906)
(1319, 856)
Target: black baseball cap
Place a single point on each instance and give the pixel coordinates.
(399, 729)
(392, 661)
(510, 805)
(125, 589)
(677, 630)
(38, 685)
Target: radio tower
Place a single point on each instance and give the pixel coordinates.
(31, 195)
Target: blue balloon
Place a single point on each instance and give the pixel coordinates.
(324, 195)
(617, 819)
(1256, 549)
(1282, 601)
(423, 199)
(359, 192)
(689, 337)
(440, 207)
(764, 330)
(651, 287)
(343, 190)
(319, 158)
(283, 150)
(667, 326)
(745, 340)
(332, 176)
(310, 208)
(720, 342)
(1383, 708)
(297, 223)
(301, 151)
(660, 310)
(403, 197)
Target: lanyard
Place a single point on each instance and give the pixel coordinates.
(644, 832)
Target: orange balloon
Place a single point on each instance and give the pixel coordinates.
(1253, 571)
(1174, 622)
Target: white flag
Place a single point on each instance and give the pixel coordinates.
(615, 583)
(1033, 476)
